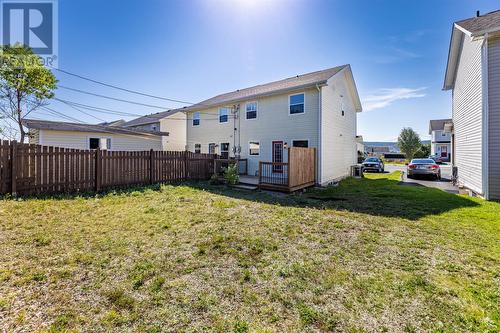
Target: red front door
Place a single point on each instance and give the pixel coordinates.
(278, 156)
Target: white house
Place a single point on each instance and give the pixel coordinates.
(441, 138)
(159, 131)
(473, 76)
(85, 136)
(316, 110)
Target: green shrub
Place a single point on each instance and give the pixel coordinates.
(231, 174)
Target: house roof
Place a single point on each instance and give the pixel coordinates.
(482, 24)
(150, 118)
(295, 82)
(63, 126)
(473, 27)
(292, 83)
(438, 124)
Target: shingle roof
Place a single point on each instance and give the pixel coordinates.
(150, 118)
(438, 124)
(484, 23)
(296, 82)
(62, 126)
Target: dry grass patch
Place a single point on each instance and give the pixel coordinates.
(368, 256)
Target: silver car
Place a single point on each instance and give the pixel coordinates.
(423, 167)
(373, 164)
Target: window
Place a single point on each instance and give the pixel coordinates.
(251, 109)
(296, 103)
(196, 119)
(211, 148)
(197, 148)
(224, 150)
(300, 143)
(254, 148)
(223, 115)
(94, 143)
(102, 143)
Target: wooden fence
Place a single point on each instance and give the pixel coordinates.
(34, 169)
(298, 173)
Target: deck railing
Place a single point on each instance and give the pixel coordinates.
(298, 173)
(273, 173)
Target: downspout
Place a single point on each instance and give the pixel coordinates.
(485, 159)
(320, 152)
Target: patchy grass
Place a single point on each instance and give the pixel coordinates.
(366, 256)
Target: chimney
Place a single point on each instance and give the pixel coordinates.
(477, 13)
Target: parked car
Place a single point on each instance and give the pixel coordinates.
(423, 167)
(373, 164)
(436, 158)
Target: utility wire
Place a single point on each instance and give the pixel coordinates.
(115, 99)
(122, 89)
(86, 113)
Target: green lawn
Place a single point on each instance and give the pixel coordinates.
(367, 256)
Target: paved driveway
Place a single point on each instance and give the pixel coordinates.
(443, 184)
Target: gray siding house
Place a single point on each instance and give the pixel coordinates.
(473, 76)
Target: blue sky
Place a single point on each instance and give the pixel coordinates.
(194, 49)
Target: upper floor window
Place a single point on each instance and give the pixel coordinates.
(296, 103)
(251, 110)
(196, 119)
(223, 115)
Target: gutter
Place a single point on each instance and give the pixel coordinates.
(320, 152)
(485, 157)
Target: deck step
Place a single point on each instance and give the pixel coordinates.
(245, 187)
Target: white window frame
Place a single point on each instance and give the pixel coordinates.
(197, 144)
(199, 119)
(254, 141)
(256, 110)
(228, 149)
(100, 140)
(289, 104)
(307, 140)
(228, 113)
(215, 147)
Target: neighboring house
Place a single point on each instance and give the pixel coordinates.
(315, 110)
(84, 136)
(377, 151)
(360, 146)
(172, 121)
(473, 75)
(440, 131)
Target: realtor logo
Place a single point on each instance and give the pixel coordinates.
(31, 23)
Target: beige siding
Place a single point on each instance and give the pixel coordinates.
(494, 118)
(273, 123)
(467, 116)
(338, 132)
(34, 136)
(175, 125)
(80, 140)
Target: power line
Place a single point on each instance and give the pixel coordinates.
(122, 89)
(121, 113)
(88, 114)
(114, 98)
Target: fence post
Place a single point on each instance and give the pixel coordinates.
(151, 167)
(98, 169)
(13, 171)
(186, 168)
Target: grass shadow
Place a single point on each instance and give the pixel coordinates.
(378, 195)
